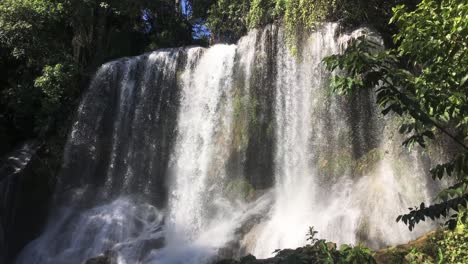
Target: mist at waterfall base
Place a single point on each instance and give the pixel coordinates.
(188, 155)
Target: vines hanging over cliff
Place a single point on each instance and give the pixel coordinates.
(302, 16)
(229, 20)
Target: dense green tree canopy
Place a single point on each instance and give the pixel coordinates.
(50, 48)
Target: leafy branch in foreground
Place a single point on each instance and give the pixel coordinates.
(424, 80)
(321, 251)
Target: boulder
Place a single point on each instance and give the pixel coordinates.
(109, 257)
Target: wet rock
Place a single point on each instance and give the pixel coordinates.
(233, 249)
(153, 244)
(139, 249)
(249, 259)
(109, 257)
(391, 254)
(25, 191)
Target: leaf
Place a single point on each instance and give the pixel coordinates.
(463, 80)
(399, 218)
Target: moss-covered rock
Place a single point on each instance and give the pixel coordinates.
(336, 165)
(239, 188)
(367, 163)
(439, 246)
(318, 252)
(340, 163)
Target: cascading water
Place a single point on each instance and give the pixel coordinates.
(297, 140)
(196, 169)
(203, 129)
(182, 155)
(314, 129)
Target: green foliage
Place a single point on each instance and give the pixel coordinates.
(264, 11)
(311, 235)
(357, 254)
(50, 48)
(417, 257)
(439, 248)
(321, 251)
(423, 250)
(423, 80)
(394, 256)
(28, 27)
(454, 244)
(301, 17)
(455, 247)
(56, 90)
(227, 19)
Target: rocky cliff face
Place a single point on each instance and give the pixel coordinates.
(24, 198)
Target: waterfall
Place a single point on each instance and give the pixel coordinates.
(203, 130)
(189, 154)
(314, 128)
(297, 140)
(197, 168)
